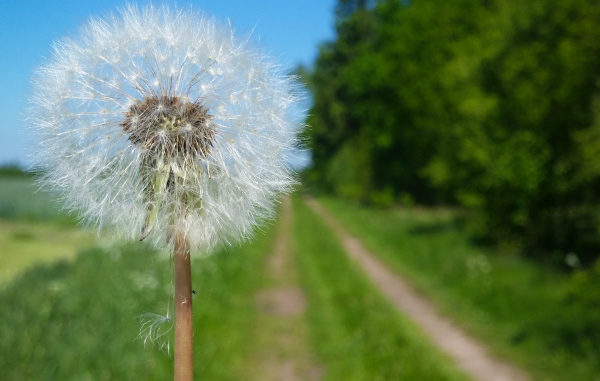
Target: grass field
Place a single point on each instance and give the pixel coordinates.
(518, 307)
(33, 231)
(26, 244)
(77, 317)
(80, 320)
(73, 305)
(21, 199)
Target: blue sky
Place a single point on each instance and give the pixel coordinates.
(291, 31)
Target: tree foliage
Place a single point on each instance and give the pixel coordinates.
(493, 105)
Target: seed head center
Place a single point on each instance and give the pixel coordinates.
(170, 126)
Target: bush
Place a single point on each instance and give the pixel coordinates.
(581, 311)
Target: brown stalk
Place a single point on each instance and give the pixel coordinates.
(184, 335)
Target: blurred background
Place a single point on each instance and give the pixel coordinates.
(459, 140)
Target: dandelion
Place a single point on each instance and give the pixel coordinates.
(159, 124)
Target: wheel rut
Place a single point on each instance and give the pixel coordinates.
(470, 354)
(283, 352)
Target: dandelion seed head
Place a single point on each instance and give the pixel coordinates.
(157, 119)
(183, 128)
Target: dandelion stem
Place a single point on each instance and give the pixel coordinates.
(184, 339)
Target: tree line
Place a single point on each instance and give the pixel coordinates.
(491, 105)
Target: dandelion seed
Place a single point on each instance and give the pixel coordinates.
(154, 330)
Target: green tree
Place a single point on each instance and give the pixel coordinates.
(489, 104)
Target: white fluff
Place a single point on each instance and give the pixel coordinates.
(83, 93)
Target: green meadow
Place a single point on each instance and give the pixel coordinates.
(77, 306)
(74, 307)
(29, 222)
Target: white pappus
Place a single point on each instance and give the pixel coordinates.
(157, 119)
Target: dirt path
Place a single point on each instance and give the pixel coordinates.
(470, 355)
(283, 352)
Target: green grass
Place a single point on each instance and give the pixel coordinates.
(357, 335)
(13, 170)
(22, 199)
(33, 230)
(78, 320)
(71, 310)
(515, 305)
(27, 244)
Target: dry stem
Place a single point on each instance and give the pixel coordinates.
(184, 339)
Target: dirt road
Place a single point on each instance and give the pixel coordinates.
(283, 350)
(470, 354)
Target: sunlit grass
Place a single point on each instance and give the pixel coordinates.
(24, 244)
(33, 231)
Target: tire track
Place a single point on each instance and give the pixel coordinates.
(283, 352)
(470, 354)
